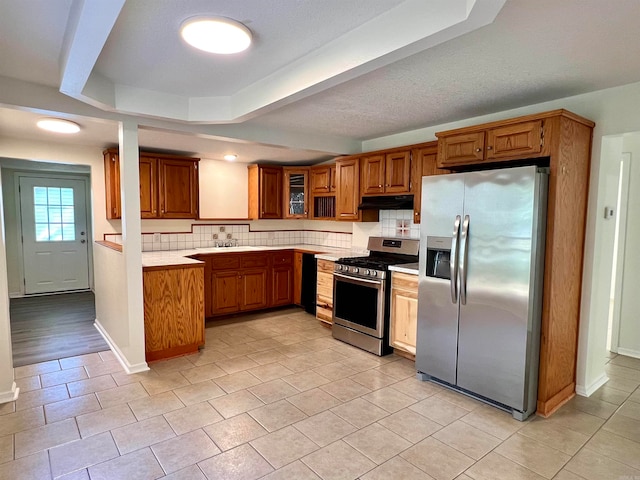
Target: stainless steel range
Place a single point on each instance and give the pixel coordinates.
(361, 293)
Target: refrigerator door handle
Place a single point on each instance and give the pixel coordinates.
(453, 260)
(464, 247)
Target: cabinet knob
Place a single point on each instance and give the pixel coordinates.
(489, 148)
(478, 149)
(387, 185)
(379, 186)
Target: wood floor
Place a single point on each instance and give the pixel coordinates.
(54, 326)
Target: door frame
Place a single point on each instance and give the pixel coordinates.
(86, 179)
(622, 208)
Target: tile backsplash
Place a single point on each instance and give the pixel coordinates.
(398, 223)
(208, 235)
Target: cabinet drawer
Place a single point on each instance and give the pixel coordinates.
(282, 258)
(249, 261)
(221, 261)
(404, 281)
(325, 266)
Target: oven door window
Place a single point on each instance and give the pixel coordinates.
(357, 304)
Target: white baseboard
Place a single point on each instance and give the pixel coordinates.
(627, 352)
(10, 395)
(588, 390)
(129, 368)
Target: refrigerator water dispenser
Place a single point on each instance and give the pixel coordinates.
(438, 257)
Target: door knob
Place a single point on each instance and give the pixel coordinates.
(81, 233)
(82, 241)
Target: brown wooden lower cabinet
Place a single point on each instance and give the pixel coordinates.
(173, 310)
(404, 312)
(244, 282)
(324, 292)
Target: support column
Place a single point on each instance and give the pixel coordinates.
(8, 389)
(132, 241)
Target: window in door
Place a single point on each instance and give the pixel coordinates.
(54, 214)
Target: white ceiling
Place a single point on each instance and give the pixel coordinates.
(321, 76)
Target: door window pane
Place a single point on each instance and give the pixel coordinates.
(54, 214)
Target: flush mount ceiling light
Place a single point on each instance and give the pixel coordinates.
(58, 125)
(230, 158)
(216, 35)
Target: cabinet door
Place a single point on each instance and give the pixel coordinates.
(296, 192)
(404, 312)
(148, 187)
(320, 179)
(253, 289)
(224, 291)
(513, 141)
(461, 149)
(112, 184)
(424, 163)
(270, 192)
(282, 285)
(297, 278)
(324, 292)
(397, 176)
(178, 188)
(348, 189)
(373, 177)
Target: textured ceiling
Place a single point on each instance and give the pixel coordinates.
(534, 51)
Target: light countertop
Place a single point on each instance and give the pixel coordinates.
(181, 257)
(410, 268)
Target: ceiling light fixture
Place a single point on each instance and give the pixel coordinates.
(58, 125)
(216, 35)
(230, 157)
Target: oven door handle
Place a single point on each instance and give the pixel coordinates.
(357, 279)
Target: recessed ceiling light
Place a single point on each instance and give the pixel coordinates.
(58, 125)
(230, 158)
(216, 35)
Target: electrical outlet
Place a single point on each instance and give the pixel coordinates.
(157, 237)
(271, 235)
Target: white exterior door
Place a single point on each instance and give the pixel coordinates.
(54, 234)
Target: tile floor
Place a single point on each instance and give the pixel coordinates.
(276, 397)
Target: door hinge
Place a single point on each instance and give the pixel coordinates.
(542, 136)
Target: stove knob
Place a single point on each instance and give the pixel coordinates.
(368, 272)
(339, 267)
(374, 273)
(355, 269)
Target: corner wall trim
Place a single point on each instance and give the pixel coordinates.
(588, 390)
(137, 368)
(10, 395)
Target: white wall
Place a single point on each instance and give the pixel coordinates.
(223, 189)
(629, 341)
(72, 154)
(615, 111)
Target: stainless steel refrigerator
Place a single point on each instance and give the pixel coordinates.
(480, 286)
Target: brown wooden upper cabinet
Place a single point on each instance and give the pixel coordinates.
(323, 179)
(424, 163)
(348, 189)
(509, 142)
(386, 173)
(168, 185)
(265, 191)
(296, 192)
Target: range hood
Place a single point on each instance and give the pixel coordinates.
(395, 202)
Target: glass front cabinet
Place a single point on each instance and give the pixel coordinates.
(296, 192)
